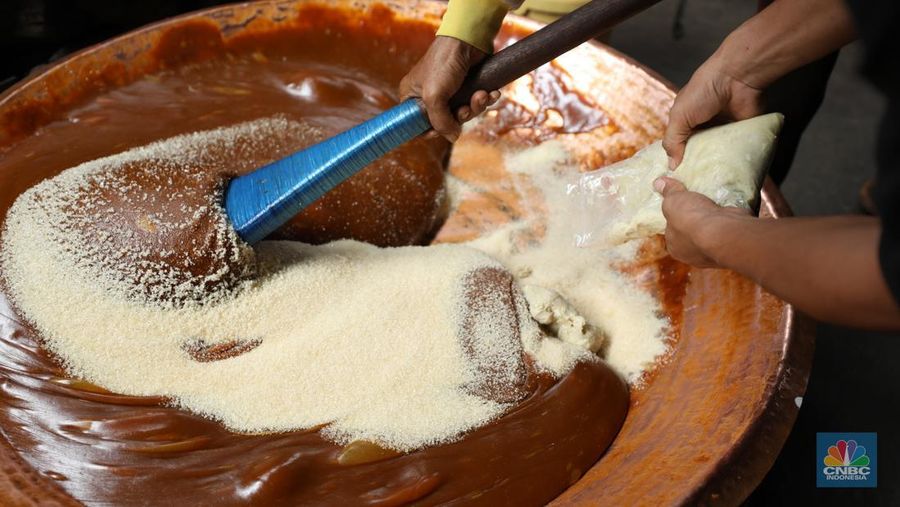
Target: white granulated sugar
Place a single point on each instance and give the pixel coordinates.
(585, 278)
(377, 344)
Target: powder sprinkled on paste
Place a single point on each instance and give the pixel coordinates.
(539, 250)
(406, 347)
(146, 224)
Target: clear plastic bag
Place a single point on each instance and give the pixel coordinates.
(617, 203)
(727, 164)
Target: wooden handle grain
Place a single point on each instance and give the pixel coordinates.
(540, 47)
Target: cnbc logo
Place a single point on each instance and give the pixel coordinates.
(847, 460)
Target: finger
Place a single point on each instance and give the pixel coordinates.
(667, 186)
(479, 102)
(464, 114)
(439, 114)
(698, 102)
(409, 87)
(444, 124)
(404, 87)
(493, 97)
(675, 139)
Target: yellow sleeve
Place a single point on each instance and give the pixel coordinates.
(474, 21)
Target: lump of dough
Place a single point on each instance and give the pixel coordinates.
(725, 163)
(561, 319)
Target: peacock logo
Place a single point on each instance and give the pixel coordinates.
(846, 453)
(847, 460)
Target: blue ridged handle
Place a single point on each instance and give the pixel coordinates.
(260, 202)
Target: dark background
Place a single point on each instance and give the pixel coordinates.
(855, 382)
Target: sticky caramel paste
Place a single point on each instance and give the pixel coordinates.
(561, 111)
(332, 70)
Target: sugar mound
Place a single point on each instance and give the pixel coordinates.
(406, 347)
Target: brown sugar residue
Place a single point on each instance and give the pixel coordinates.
(204, 352)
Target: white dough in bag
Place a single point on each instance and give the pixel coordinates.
(725, 163)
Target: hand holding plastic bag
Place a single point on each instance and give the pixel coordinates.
(726, 164)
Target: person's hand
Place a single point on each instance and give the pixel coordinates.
(437, 76)
(692, 222)
(710, 94)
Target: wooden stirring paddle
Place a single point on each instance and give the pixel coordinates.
(260, 202)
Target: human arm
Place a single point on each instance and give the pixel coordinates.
(827, 267)
(464, 38)
(783, 37)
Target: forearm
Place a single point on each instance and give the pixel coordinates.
(827, 267)
(785, 36)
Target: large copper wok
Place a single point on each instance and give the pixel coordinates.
(714, 414)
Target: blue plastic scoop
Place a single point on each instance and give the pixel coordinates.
(260, 202)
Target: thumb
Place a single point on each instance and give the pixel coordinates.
(674, 141)
(667, 186)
